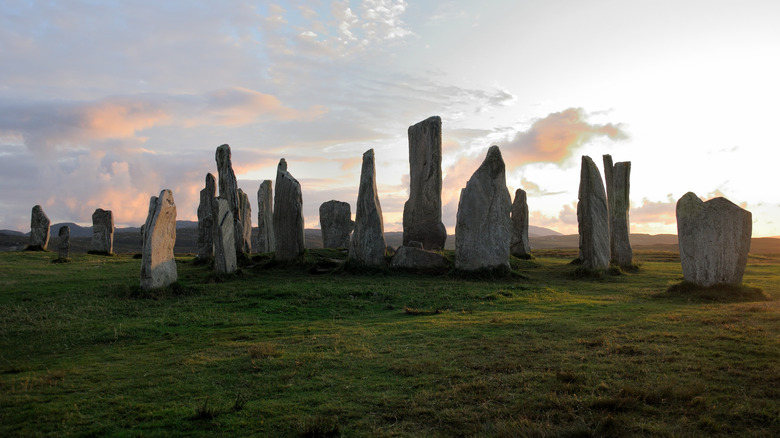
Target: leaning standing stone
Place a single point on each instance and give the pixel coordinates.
(618, 180)
(714, 239)
(265, 217)
(206, 219)
(336, 224)
(102, 232)
(288, 215)
(64, 248)
(520, 246)
(245, 242)
(224, 241)
(592, 218)
(158, 266)
(367, 245)
(422, 212)
(39, 230)
(484, 228)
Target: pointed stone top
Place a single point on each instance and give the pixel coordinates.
(282, 165)
(223, 150)
(494, 162)
(210, 179)
(368, 154)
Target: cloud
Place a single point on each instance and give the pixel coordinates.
(556, 137)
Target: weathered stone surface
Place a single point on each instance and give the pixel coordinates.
(224, 241)
(336, 224)
(39, 229)
(245, 224)
(409, 257)
(265, 217)
(483, 230)
(618, 181)
(64, 248)
(228, 190)
(520, 246)
(415, 244)
(158, 266)
(288, 215)
(206, 218)
(592, 218)
(367, 245)
(422, 212)
(714, 239)
(102, 232)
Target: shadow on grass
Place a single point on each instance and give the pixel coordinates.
(176, 289)
(722, 293)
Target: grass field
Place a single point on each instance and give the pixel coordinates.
(282, 351)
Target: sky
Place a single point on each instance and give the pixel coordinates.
(105, 103)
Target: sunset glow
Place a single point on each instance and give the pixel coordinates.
(103, 106)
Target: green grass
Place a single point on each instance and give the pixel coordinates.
(317, 350)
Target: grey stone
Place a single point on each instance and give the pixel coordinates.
(288, 215)
(228, 190)
(206, 218)
(224, 241)
(714, 239)
(410, 257)
(158, 266)
(336, 224)
(422, 212)
(367, 245)
(618, 182)
(102, 232)
(592, 218)
(39, 229)
(245, 224)
(265, 217)
(520, 246)
(483, 229)
(64, 248)
(415, 244)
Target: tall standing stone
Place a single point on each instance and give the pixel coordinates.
(288, 215)
(592, 218)
(158, 266)
(246, 222)
(520, 246)
(265, 217)
(206, 218)
(64, 248)
(714, 239)
(422, 212)
(367, 245)
(224, 241)
(618, 181)
(483, 230)
(39, 229)
(102, 232)
(228, 190)
(336, 224)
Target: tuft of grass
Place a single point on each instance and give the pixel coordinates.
(418, 312)
(719, 293)
(320, 426)
(62, 260)
(204, 412)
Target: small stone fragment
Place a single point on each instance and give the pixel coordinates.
(410, 257)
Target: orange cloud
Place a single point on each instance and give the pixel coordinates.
(119, 119)
(555, 137)
(241, 106)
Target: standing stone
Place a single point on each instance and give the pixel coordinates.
(246, 223)
(367, 245)
(64, 248)
(520, 246)
(592, 218)
(265, 217)
(714, 239)
(102, 232)
(228, 190)
(39, 229)
(618, 180)
(336, 224)
(422, 212)
(158, 266)
(483, 230)
(288, 215)
(224, 241)
(206, 218)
